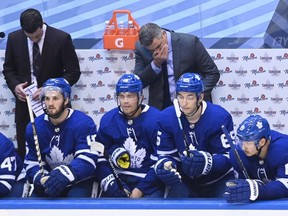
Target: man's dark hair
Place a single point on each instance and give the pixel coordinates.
(148, 33)
(31, 20)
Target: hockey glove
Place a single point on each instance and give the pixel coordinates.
(121, 158)
(38, 186)
(111, 189)
(199, 164)
(166, 171)
(58, 180)
(242, 191)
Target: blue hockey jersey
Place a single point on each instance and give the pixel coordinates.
(11, 166)
(65, 144)
(204, 135)
(138, 137)
(273, 170)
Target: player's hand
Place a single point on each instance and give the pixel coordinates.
(199, 164)
(19, 91)
(111, 189)
(58, 180)
(136, 193)
(242, 191)
(166, 171)
(121, 158)
(38, 186)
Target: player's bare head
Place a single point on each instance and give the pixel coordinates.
(148, 33)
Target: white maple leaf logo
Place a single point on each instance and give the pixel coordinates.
(56, 158)
(137, 157)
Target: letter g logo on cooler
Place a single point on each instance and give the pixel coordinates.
(119, 42)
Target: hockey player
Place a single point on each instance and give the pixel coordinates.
(193, 161)
(129, 135)
(65, 136)
(264, 154)
(12, 176)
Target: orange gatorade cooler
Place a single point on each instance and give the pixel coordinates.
(117, 35)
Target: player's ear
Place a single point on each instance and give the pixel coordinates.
(66, 102)
(201, 98)
(262, 142)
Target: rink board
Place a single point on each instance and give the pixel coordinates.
(139, 207)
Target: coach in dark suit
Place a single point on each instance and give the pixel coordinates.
(162, 56)
(57, 58)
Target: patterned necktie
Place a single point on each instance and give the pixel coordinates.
(36, 59)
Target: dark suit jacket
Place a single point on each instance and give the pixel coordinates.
(59, 59)
(189, 55)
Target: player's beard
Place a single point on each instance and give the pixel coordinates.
(58, 113)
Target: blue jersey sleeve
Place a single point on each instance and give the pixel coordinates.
(271, 170)
(103, 169)
(205, 135)
(220, 146)
(84, 162)
(65, 144)
(138, 138)
(150, 183)
(170, 139)
(8, 165)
